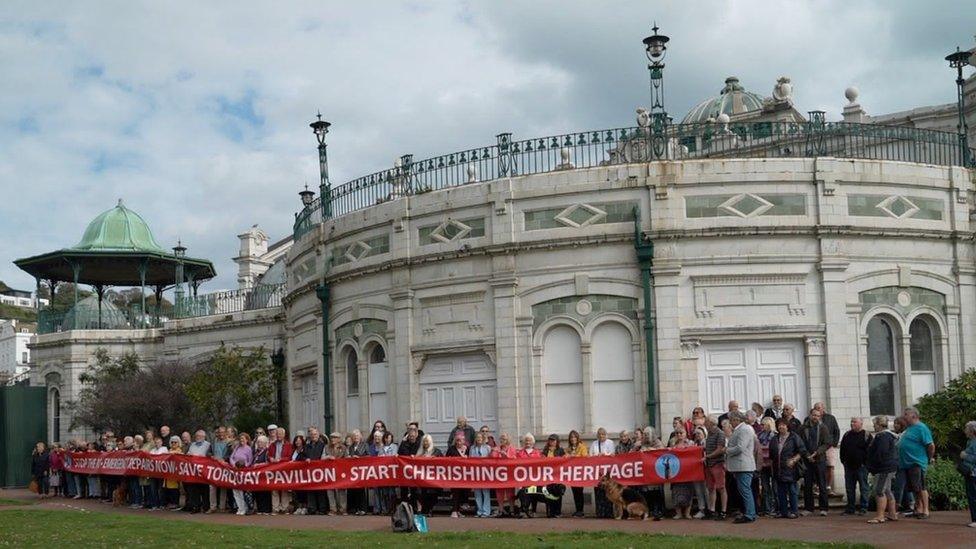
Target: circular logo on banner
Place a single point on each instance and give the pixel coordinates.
(667, 466)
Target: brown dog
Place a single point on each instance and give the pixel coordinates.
(624, 500)
(119, 495)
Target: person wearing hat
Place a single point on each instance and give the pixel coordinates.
(337, 450)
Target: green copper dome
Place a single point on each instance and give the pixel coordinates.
(732, 100)
(84, 315)
(119, 229)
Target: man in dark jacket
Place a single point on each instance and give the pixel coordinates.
(834, 429)
(462, 429)
(854, 455)
(318, 500)
(882, 462)
(816, 438)
(408, 447)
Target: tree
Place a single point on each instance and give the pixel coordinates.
(947, 411)
(64, 296)
(118, 394)
(234, 387)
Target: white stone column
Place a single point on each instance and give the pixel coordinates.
(586, 359)
(667, 345)
(513, 378)
(404, 387)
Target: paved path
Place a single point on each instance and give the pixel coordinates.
(943, 530)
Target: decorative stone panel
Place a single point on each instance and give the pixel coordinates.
(580, 214)
(452, 315)
(745, 205)
(904, 300)
(896, 206)
(583, 308)
(359, 330)
(452, 230)
(750, 290)
(361, 249)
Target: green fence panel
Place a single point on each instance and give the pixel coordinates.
(23, 422)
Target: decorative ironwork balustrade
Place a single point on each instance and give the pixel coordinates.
(262, 296)
(646, 143)
(51, 321)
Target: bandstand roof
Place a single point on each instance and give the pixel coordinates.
(114, 249)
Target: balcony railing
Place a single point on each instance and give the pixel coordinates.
(589, 149)
(262, 296)
(111, 318)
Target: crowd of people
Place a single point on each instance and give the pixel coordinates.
(755, 462)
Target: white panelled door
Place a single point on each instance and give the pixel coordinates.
(750, 372)
(455, 386)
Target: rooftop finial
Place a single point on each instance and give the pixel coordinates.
(120, 204)
(319, 114)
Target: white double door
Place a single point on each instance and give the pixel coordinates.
(752, 371)
(452, 386)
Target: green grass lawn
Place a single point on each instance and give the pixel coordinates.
(37, 528)
(7, 501)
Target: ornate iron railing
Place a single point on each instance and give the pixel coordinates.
(51, 321)
(262, 296)
(589, 149)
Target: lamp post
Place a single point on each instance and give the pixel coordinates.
(320, 128)
(958, 60)
(278, 361)
(655, 47)
(179, 251)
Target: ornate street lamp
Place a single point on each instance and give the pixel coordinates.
(320, 128)
(655, 46)
(957, 60)
(307, 196)
(179, 251)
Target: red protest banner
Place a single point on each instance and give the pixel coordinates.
(637, 468)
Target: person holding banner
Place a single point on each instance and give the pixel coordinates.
(576, 448)
(356, 497)
(602, 446)
(505, 496)
(336, 450)
(458, 495)
(482, 496)
(428, 496)
(241, 457)
(552, 449)
(409, 446)
(298, 454)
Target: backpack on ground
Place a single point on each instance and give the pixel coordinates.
(402, 518)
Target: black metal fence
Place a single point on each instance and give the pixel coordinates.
(508, 158)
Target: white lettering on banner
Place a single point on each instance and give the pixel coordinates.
(373, 472)
(589, 473)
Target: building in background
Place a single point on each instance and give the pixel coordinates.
(20, 298)
(601, 278)
(15, 337)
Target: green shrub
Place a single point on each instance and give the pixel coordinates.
(947, 411)
(947, 489)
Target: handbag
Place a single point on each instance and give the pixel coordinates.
(33, 487)
(55, 479)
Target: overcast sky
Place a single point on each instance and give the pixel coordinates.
(196, 113)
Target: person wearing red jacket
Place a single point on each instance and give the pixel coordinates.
(278, 451)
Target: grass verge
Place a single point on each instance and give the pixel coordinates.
(43, 528)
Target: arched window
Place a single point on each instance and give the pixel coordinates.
(613, 377)
(378, 380)
(882, 386)
(923, 358)
(55, 415)
(562, 375)
(352, 373)
(352, 391)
